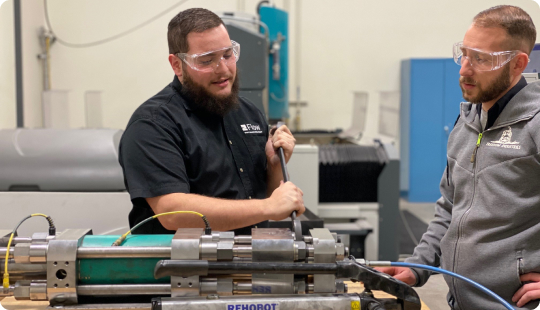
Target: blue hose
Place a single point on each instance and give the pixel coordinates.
(455, 275)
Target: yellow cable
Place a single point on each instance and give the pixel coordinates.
(5, 283)
(39, 214)
(124, 236)
(176, 212)
(6, 274)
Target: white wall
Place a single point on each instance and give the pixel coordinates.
(346, 46)
(358, 45)
(8, 117)
(128, 70)
(32, 20)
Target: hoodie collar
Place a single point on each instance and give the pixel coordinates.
(494, 112)
(522, 104)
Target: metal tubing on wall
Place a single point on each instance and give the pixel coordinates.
(18, 62)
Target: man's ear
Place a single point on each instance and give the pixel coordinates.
(522, 60)
(176, 65)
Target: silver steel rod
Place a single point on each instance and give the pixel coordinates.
(242, 239)
(310, 250)
(241, 250)
(3, 252)
(5, 240)
(308, 239)
(124, 289)
(23, 268)
(242, 287)
(122, 252)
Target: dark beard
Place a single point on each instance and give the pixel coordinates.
(207, 101)
(498, 86)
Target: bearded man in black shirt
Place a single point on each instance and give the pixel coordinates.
(198, 146)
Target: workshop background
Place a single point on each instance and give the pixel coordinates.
(336, 48)
(341, 54)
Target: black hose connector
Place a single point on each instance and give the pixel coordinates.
(207, 229)
(52, 228)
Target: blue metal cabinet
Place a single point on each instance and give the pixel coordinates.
(278, 79)
(430, 97)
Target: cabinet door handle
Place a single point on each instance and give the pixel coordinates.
(447, 130)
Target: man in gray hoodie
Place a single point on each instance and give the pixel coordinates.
(487, 222)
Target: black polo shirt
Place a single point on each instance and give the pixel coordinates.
(172, 146)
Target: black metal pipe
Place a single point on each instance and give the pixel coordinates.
(277, 268)
(187, 268)
(18, 62)
(283, 165)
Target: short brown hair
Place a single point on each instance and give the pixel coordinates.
(517, 23)
(187, 21)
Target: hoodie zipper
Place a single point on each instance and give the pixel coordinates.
(473, 161)
(473, 157)
(461, 220)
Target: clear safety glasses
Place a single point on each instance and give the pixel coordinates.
(482, 60)
(209, 61)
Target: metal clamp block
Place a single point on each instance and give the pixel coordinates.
(223, 236)
(62, 266)
(38, 290)
(225, 250)
(38, 252)
(224, 287)
(324, 245)
(340, 251)
(272, 245)
(21, 253)
(186, 244)
(340, 287)
(300, 251)
(22, 290)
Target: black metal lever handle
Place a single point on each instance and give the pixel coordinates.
(296, 225)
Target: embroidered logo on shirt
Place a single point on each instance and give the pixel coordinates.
(506, 141)
(251, 128)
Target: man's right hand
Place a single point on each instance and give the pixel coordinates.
(403, 274)
(284, 200)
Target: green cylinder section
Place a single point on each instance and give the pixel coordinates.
(121, 270)
(131, 240)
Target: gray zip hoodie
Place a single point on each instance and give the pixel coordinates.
(487, 222)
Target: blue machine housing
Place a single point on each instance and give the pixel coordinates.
(430, 98)
(278, 95)
(534, 65)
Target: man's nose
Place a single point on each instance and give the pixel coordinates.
(466, 68)
(221, 66)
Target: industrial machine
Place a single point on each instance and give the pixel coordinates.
(264, 67)
(355, 190)
(195, 268)
(358, 184)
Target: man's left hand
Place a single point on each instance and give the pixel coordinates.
(529, 291)
(281, 137)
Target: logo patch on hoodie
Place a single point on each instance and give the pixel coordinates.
(506, 141)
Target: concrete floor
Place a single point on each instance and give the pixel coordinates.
(433, 293)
